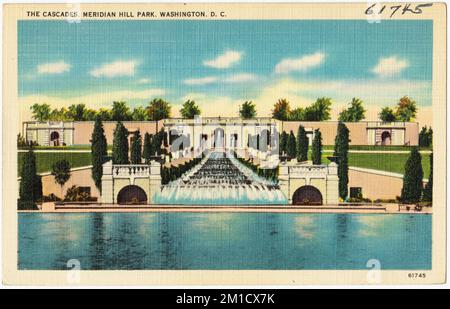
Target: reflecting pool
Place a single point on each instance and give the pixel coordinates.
(224, 240)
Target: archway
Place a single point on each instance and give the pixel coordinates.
(54, 138)
(307, 195)
(386, 138)
(132, 195)
(219, 138)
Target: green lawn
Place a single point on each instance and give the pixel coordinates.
(385, 162)
(380, 148)
(64, 148)
(45, 160)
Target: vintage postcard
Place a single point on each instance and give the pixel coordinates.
(224, 144)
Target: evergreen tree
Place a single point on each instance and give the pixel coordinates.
(38, 188)
(291, 145)
(316, 154)
(157, 142)
(148, 151)
(28, 180)
(302, 145)
(423, 137)
(283, 142)
(428, 191)
(98, 152)
(136, 148)
(120, 144)
(412, 180)
(341, 146)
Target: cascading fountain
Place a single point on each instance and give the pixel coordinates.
(220, 179)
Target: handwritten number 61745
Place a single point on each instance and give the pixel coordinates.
(400, 9)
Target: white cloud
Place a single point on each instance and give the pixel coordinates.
(240, 78)
(144, 81)
(115, 69)
(225, 60)
(390, 66)
(236, 78)
(53, 67)
(301, 64)
(201, 81)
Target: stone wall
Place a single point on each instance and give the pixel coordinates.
(80, 177)
(83, 129)
(376, 184)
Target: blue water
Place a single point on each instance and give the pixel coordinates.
(224, 240)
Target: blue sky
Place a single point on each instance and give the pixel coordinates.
(220, 64)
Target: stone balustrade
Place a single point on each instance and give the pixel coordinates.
(131, 170)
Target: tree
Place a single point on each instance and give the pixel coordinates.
(247, 110)
(120, 144)
(291, 145)
(61, 172)
(406, 109)
(387, 115)
(136, 148)
(104, 114)
(120, 111)
(37, 190)
(354, 113)
(283, 142)
(76, 112)
(428, 190)
(41, 112)
(139, 114)
(319, 110)
(89, 114)
(189, 110)
(341, 146)
(423, 140)
(28, 178)
(281, 110)
(430, 137)
(158, 109)
(316, 154)
(157, 141)
(412, 180)
(302, 145)
(297, 114)
(148, 149)
(59, 114)
(98, 152)
(425, 137)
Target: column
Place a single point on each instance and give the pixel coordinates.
(332, 185)
(107, 195)
(154, 179)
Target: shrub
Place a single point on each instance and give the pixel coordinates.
(75, 194)
(26, 205)
(50, 198)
